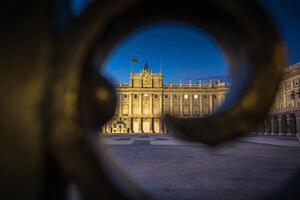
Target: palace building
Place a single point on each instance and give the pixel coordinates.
(142, 101)
(146, 97)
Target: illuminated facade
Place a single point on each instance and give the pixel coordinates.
(146, 97)
(284, 117)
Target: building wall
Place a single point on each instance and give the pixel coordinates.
(284, 116)
(145, 98)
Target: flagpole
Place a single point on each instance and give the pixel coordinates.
(160, 65)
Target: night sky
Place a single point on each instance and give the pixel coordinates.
(188, 53)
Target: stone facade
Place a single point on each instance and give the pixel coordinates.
(284, 116)
(146, 97)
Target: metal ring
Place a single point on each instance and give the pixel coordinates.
(244, 32)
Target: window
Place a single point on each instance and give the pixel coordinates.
(186, 96)
(196, 96)
(296, 82)
(166, 96)
(135, 96)
(287, 85)
(196, 112)
(175, 96)
(156, 96)
(125, 96)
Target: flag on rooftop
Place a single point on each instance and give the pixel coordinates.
(134, 59)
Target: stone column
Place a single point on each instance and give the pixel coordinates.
(160, 104)
(200, 102)
(265, 127)
(216, 102)
(120, 105)
(130, 125)
(269, 126)
(284, 94)
(191, 105)
(210, 104)
(181, 109)
(141, 104)
(280, 125)
(171, 104)
(130, 105)
(151, 103)
(288, 125)
(272, 126)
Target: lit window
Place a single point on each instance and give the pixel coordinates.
(145, 95)
(186, 96)
(196, 96)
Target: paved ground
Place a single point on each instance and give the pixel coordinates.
(173, 169)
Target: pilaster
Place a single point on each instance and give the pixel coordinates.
(191, 105)
(210, 104)
(200, 104)
(181, 108)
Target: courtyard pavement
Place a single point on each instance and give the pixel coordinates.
(172, 169)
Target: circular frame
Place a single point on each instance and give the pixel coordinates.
(244, 32)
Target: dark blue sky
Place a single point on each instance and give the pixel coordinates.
(186, 53)
(182, 51)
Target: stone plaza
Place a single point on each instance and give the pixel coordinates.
(172, 169)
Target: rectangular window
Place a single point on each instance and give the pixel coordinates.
(186, 96)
